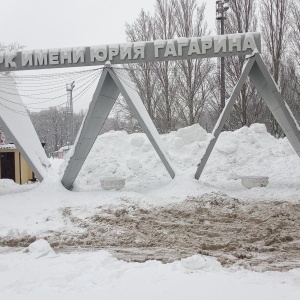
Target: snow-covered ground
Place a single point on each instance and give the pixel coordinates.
(42, 274)
(33, 210)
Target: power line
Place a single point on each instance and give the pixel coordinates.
(86, 83)
(19, 112)
(39, 76)
(86, 86)
(46, 98)
(44, 82)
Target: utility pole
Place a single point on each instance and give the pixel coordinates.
(69, 112)
(221, 8)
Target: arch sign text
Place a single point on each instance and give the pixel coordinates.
(138, 52)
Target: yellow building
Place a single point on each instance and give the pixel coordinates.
(13, 165)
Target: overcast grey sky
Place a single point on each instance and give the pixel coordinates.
(44, 24)
(65, 23)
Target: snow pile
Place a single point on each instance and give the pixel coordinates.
(132, 156)
(40, 248)
(7, 183)
(8, 186)
(244, 152)
(191, 134)
(200, 262)
(252, 151)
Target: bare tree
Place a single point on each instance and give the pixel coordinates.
(275, 31)
(154, 82)
(142, 74)
(275, 17)
(164, 71)
(291, 69)
(51, 126)
(249, 107)
(10, 47)
(193, 78)
(295, 36)
(174, 93)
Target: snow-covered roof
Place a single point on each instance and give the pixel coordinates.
(64, 148)
(8, 146)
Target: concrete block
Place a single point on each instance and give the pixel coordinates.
(112, 183)
(254, 181)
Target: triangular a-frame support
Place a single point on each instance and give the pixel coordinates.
(262, 79)
(107, 91)
(16, 123)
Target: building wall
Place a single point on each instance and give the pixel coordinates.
(26, 172)
(23, 172)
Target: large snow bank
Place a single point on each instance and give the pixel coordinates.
(131, 156)
(247, 151)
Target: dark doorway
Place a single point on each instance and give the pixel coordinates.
(8, 165)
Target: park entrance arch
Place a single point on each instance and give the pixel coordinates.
(110, 85)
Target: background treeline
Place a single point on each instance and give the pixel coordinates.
(182, 93)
